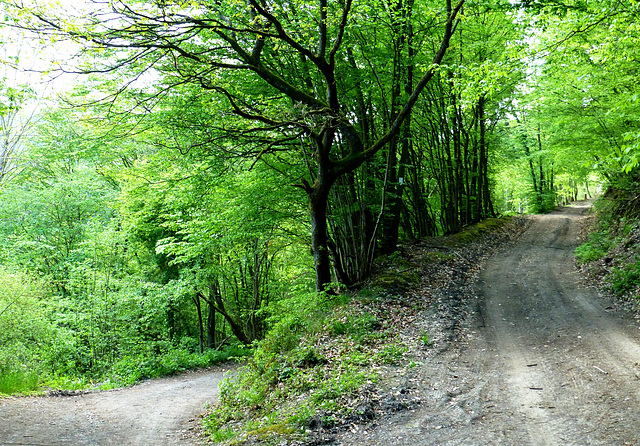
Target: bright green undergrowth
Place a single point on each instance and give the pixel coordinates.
(311, 363)
(131, 369)
(16, 378)
(38, 351)
(596, 247)
(18, 381)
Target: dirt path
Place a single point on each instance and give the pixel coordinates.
(544, 359)
(158, 412)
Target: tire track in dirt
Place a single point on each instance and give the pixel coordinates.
(569, 365)
(156, 412)
(544, 359)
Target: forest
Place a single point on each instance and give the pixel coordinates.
(184, 182)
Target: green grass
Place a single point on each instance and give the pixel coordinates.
(305, 367)
(595, 248)
(131, 369)
(127, 371)
(20, 381)
(625, 279)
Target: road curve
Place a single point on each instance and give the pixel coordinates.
(569, 360)
(157, 412)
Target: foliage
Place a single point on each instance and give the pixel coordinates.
(626, 278)
(317, 355)
(27, 339)
(281, 80)
(15, 125)
(611, 250)
(131, 369)
(577, 112)
(107, 320)
(597, 246)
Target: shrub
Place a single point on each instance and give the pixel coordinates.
(626, 279)
(25, 332)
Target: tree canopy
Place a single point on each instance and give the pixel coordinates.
(213, 161)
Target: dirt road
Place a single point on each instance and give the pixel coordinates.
(542, 360)
(159, 412)
(538, 358)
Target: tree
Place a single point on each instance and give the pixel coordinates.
(14, 125)
(279, 68)
(583, 87)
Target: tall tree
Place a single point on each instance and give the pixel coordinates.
(15, 123)
(277, 69)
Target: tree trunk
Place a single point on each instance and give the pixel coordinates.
(198, 303)
(527, 152)
(318, 197)
(211, 326)
(220, 308)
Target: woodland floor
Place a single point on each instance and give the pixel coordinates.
(525, 352)
(536, 355)
(154, 413)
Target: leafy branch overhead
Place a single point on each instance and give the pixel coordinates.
(293, 51)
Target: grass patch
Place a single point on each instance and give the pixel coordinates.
(308, 367)
(598, 244)
(132, 369)
(625, 279)
(18, 381)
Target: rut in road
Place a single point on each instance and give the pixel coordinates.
(158, 412)
(546, 360)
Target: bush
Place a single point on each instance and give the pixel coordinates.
(542, 203)
(626, 279)
(25, 333)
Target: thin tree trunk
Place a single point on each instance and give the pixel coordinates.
(198, 302)
(211, 326)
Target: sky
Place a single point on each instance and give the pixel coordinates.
(27, 61)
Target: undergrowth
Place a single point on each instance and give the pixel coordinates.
(611, 252)
(305, 371)
(125, 372)
(18, 381)
(596, 247)
(132, 369)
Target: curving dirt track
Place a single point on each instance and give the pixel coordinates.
(158, 412)
(543, 359)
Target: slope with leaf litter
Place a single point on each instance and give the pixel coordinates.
(339, 362)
